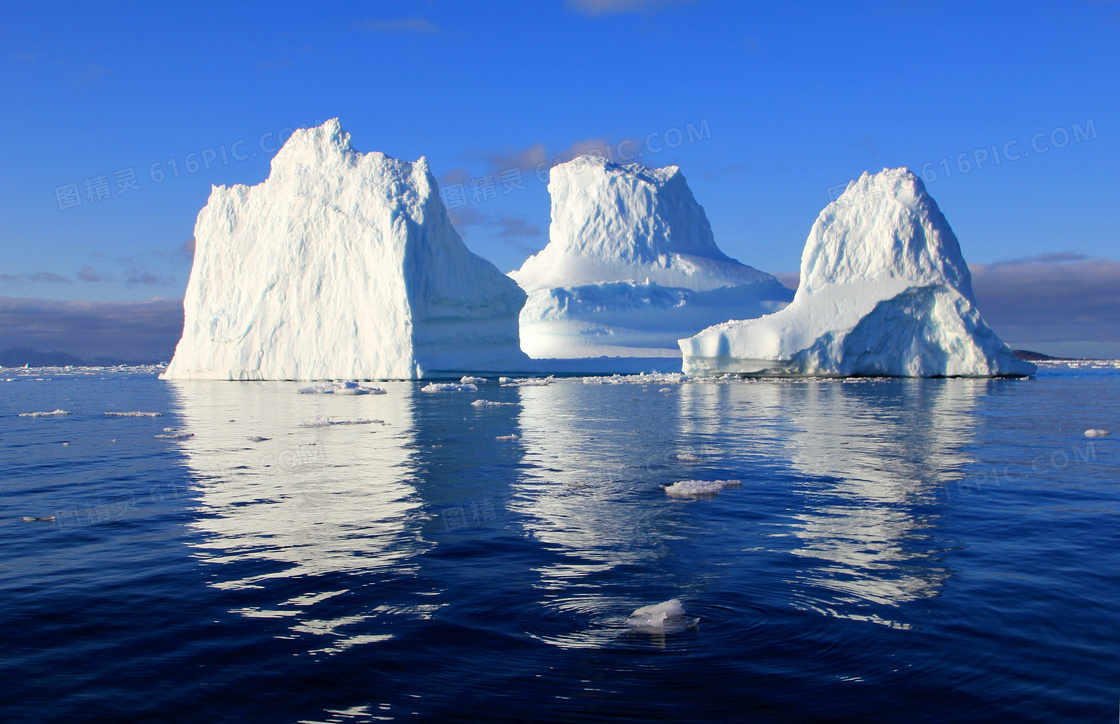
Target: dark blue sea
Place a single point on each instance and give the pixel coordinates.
(897, 550)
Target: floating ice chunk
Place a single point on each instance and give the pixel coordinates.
(468, 380)
(697, 488)
(489, 403)
(176, 435)
(325, 421)
(1096, 433)
(134, 414)
(340, 388)
(527, 381)
(258, 438)
(33, 519)
(448, 387)
(660, 618)
(52, 413)
(687, 457)
(507, 438)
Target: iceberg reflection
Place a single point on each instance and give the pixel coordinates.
(306, 509)
(875, 451)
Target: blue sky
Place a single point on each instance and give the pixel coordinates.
(784, 101)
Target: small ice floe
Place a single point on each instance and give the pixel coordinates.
(686, 457)
(133, 414)
(1095, 433)
(170, 433)
(52, 413)
(488, 403)
(526, 381)
(258, 438)
(324, 421)
(507, 438)
(449, 387)
(661, 618)
(666, 389)
(340, 388)
(468, 380)
(33, 519)
(699, 488)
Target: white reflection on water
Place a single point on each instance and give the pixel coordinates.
(876, 451)
(585, 495)
(282, 502)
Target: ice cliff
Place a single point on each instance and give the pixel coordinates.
(340, 265)
(884, 291)
(631, 266)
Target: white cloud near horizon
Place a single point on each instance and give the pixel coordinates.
(404, 25)
(596, 8)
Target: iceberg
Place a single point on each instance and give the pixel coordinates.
(341, 265)
(631, 266)
(884, 291)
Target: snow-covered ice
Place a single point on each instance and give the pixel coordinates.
(526, 381)
(665, 617)
(341, 265)
(340, 388)
(469, 380)
(52, 413)
(699, 488)
(630, 267)
(326, 421)
(449, 387)
(173, 435)
(884, 291)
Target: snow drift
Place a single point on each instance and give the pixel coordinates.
(884, 291)
(631, 266)
(340, 265)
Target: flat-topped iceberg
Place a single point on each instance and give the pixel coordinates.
(884, 291)
(341, 265)
(631, 266)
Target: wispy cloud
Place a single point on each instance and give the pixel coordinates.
(517, 226)
(91, 75)
(89, 274)
(43, 277)
(595, 8)
(137, 273)
(405, 25)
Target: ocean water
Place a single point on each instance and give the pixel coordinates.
(894, 550)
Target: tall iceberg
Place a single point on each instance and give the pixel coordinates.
(631, 266)
(340, 265)
(884, 291)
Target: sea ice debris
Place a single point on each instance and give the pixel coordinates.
(699, 488)
(449, 387)
(666, 617)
